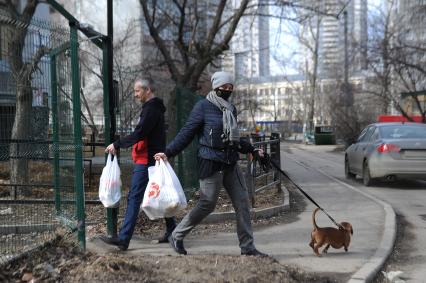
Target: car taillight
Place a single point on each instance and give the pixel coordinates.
(388, 147)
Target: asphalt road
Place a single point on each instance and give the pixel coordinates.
(407, 198)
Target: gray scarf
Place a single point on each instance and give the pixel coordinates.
(230, 128)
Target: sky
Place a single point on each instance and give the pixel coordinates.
(285, 47)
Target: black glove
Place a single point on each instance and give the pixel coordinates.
(264, 161)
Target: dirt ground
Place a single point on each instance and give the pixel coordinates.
(62, 261)
(401, 251)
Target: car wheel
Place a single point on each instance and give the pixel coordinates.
(348, 173)
(366, 178)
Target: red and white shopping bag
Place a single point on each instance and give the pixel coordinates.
(164, 195)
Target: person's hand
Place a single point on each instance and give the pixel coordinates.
(159, 156)
(110, 149)
(260, 152)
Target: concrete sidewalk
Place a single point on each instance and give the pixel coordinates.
(373, 222)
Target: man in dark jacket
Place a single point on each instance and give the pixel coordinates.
(148, 138)
(214, 121)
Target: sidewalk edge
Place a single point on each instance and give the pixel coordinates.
(369, 270)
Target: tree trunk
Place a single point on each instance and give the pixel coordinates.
(313, 80)
(21, 131)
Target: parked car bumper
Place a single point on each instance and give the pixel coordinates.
(384, 165)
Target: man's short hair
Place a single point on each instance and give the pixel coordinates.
(146, 82)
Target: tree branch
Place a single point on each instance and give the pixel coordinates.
(215, 26)
(176, 76)
(183, 48)
(29, 10)
(227, 38)
(29, 68)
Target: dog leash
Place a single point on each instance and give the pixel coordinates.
(264, 164)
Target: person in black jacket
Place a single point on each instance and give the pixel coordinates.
(214, 120)
(148, 138)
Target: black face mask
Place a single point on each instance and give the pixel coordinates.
(225, 94)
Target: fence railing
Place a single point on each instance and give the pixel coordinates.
(257, 179)
(31, 226)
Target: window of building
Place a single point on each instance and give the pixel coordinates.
(240, 65)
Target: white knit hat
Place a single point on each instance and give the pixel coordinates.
(220, 79)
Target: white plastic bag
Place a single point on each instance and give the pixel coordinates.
(110, 183)
(164, 195)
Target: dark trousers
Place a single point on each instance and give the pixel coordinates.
(134, 200)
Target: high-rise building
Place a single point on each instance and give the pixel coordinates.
(409, 21)
(248, 56)
(331, 45)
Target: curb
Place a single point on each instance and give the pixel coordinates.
(369, 270)
(217, 217)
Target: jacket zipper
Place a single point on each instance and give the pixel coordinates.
(211, 137)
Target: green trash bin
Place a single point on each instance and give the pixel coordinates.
(324, 135)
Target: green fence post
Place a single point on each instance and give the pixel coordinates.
(179, 124)
(78, 163)
(186, 160)
(112, 213)
(54, 88)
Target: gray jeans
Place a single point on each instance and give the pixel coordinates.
(235, 186)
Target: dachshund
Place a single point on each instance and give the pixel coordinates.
(330, 236)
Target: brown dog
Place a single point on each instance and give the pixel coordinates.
(336, 238)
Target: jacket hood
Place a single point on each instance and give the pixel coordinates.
(155, 102)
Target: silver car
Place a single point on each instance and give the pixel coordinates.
(388, 150)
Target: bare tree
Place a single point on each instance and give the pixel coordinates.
(396, 60)
(22, 72)
(379, 55)
(306, 34)
(247, 104)
(190, 35)
(127, 67)
(311, 44)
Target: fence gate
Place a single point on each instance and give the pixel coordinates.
(67, 136)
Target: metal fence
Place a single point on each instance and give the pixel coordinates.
(41, 166)
(257, 178)
(45, 157)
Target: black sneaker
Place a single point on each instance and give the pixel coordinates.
(177, 245)
(254, 252)
(114, 242)
(123, 246)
